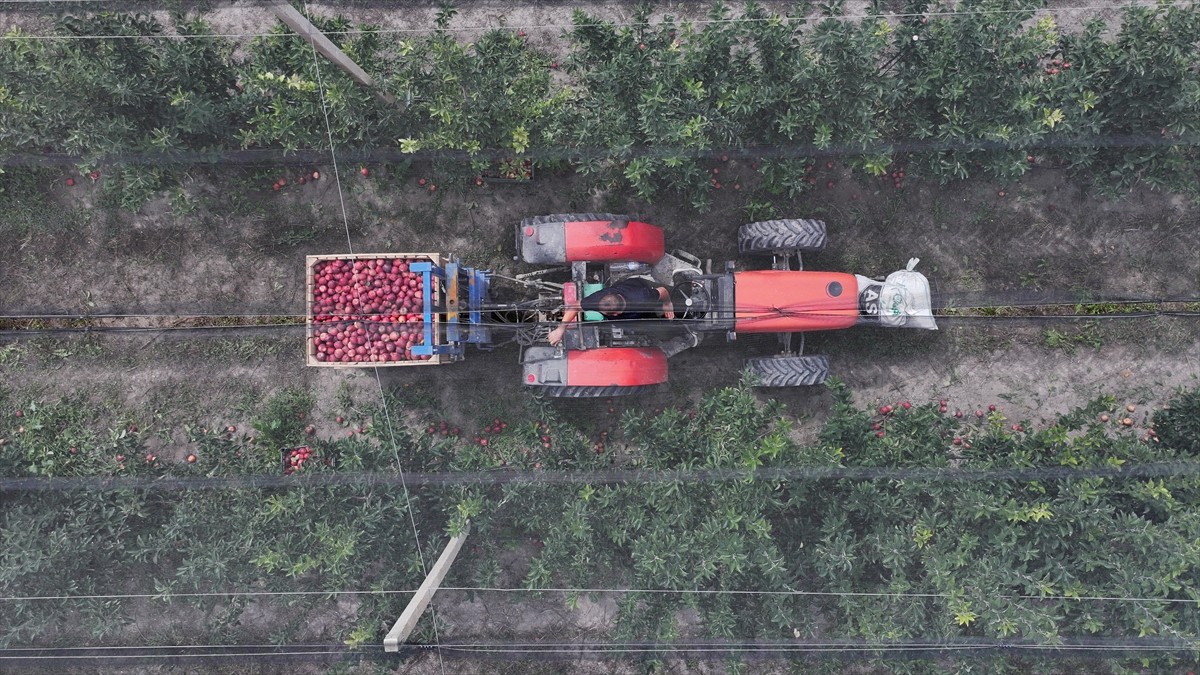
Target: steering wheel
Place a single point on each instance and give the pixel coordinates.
(691, 300)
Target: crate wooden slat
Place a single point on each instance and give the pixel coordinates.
(310, 344)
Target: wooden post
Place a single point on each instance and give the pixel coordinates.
(416, 607)
(304, 28)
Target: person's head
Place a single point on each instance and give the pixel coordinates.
(612, 303)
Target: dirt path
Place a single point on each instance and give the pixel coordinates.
(235, 258)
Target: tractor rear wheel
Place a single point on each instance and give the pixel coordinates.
(782, 235)
(789, 371)
(572, 218)
(594, 391)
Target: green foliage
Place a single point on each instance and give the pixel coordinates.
(288, 93)
(61, 439)
(1002, 558)
(246, 538)
(945, 96)
(1087, 336)
(103, 99)
(1143, 89)
(972, 80)
(57, 543)
(1178, 426)
(492, 95)
(282, 421)
(878, 558)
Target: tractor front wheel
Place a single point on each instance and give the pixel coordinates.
(788, 371)
(782, 235)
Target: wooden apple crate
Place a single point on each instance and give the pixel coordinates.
(310, 343)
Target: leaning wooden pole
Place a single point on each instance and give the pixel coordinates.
(311, 34)
(416, 607)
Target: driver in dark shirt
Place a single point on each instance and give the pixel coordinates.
(632, 298)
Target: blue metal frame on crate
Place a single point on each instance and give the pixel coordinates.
(477, 285)
(477, 291)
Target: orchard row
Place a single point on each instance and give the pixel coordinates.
(993, 91)
(1016, 556)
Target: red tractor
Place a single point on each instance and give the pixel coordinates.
(599, 357)
(411, 309)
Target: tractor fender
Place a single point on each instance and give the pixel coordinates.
(590, 237)
(605, 367)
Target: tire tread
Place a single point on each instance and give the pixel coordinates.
(568, 391)
(571, 218)
(789, 371)
(782, 235)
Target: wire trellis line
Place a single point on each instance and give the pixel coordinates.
(11, 324)
(973, 301)
(601, 477)
(596, 591)
(745, 647)
(307, 156)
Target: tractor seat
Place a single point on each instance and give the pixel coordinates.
(571, 297)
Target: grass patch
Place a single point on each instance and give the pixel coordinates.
(1088, 335)
(284, 417)
(11, 354)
